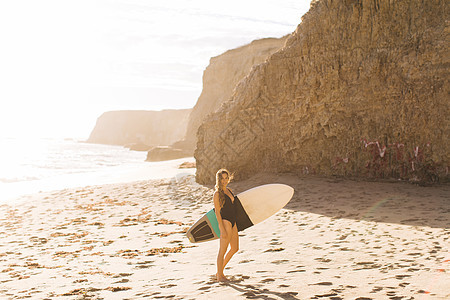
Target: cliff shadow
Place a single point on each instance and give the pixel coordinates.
(387, 202)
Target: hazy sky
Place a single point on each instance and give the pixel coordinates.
(63, 63)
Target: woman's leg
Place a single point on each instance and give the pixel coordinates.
(222, 250)
(234, 245)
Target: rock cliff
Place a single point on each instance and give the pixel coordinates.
(359, 89)
(220, 78)
(152, 128)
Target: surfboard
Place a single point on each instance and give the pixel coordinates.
(253, 206)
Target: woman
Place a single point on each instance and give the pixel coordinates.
(226, 216)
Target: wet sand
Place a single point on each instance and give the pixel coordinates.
(336, 239)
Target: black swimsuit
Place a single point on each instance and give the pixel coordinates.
(228, 211)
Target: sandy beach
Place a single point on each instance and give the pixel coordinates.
(336, 239)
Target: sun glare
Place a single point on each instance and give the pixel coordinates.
(63, 62)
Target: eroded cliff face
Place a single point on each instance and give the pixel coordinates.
(152, 128)
(221, 77)
(360, 89)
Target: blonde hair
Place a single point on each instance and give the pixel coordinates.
(218, 186)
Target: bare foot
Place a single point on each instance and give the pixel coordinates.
(221, 278)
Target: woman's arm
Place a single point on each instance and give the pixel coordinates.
(217, 209)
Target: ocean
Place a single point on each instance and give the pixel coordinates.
(38, 165)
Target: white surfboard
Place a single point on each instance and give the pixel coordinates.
(253, 206)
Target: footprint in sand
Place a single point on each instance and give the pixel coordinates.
(144, 264)
(322, 283)
(274, 250)
(204, 288)
(122, 275)
(376, 289)
(329, 296)
(246, 261)
(296, 271)
(281, 261)
(167, 286)
(324, 260)
(393, 295)
(124, 280)
(250, 295)
(118, 288)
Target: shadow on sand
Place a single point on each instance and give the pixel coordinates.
(387, 202)
(251, 292)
